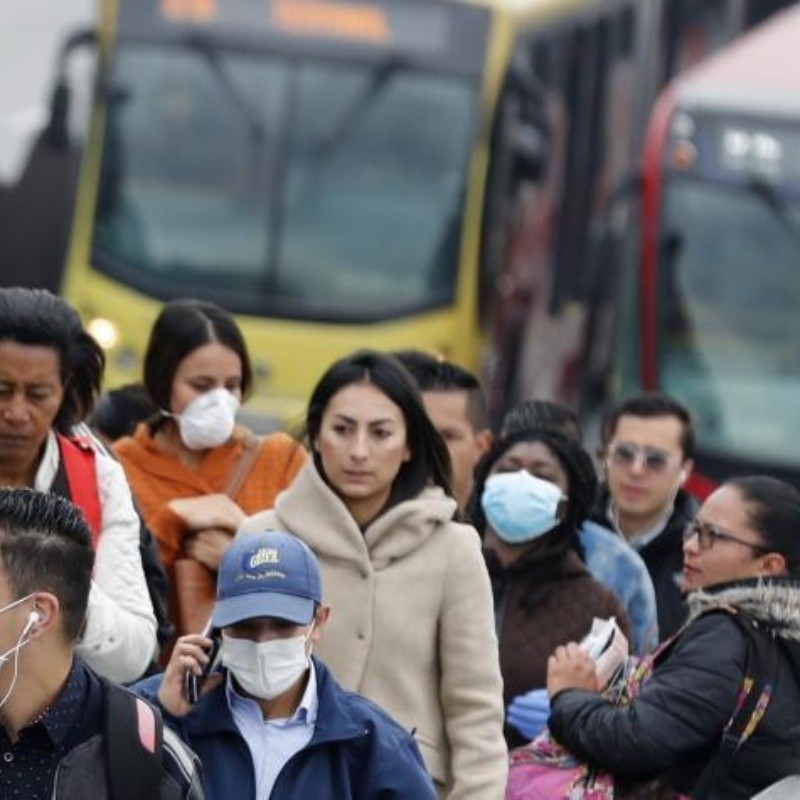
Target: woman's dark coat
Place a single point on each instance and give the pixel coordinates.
(672, 730)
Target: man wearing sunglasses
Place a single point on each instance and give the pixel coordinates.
(647, 449)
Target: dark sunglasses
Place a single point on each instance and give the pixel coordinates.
(707, 536)
(624, 454)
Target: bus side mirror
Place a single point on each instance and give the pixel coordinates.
(56, 133)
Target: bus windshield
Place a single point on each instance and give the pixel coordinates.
(296, 188)
(729, 327)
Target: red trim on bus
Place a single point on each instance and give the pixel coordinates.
(699, 486)
(651, 209)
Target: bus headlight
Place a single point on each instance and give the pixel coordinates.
(104, 331)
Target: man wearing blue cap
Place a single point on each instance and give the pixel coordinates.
(273, 723)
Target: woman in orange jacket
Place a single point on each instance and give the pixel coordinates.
(195, 474)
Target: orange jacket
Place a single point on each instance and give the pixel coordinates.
(156, 479)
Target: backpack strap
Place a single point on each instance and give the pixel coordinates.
(134, 740)
(80, 470)
(755, 693)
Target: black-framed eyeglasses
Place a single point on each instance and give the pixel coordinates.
(707, 536)
(625, 454)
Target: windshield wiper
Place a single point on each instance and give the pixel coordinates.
(379, 78)
(203, 45)
(777, 203)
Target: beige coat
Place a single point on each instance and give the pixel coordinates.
(411, 626)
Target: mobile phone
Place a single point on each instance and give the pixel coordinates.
(193, 684)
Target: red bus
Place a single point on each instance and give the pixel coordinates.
(713, 315)
(552, 248)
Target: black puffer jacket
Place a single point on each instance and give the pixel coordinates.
(663, 557)
(672, 730)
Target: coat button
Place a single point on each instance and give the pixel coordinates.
(362, 635)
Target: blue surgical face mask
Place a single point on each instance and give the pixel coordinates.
(519, 506)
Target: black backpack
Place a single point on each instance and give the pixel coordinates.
(134, 745)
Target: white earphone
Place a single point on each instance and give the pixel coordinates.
(34, 618)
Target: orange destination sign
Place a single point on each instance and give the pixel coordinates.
(345, 20)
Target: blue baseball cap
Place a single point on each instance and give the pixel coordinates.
(270, 574)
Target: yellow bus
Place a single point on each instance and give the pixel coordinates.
(366, 173)
(318, 167)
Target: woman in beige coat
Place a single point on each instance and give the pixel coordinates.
(412, 623)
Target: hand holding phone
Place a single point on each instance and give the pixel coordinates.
(193, 683)
(196, 655)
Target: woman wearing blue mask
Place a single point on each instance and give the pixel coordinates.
(532, 492)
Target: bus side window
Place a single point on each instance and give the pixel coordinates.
(530, 131)
(519, 155)
(614, 194)
(583, 86)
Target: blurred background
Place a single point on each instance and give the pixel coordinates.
(576, 199)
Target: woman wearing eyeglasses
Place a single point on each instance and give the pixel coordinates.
(742, 572)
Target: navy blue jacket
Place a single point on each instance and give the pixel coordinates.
(357, 751)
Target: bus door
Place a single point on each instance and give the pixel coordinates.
(584, 68)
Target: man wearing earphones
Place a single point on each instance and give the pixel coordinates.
(647, 449)
(65, 733)
(271, 721)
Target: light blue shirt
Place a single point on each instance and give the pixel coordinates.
(614, 563)
(273, 742)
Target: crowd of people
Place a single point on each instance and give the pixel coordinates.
(382, 608)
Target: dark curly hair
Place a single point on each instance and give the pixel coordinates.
(37, 317)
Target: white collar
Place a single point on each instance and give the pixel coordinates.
(48, 466)
(641, 538)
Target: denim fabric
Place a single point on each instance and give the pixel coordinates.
(615, 564)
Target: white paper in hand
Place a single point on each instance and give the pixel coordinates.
(607, 646)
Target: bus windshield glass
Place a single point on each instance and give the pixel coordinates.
(729, 293)
(302, 188)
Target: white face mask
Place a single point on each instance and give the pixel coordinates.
(266, 669)
(208, 420)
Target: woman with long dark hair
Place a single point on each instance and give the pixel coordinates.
(412, 624)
